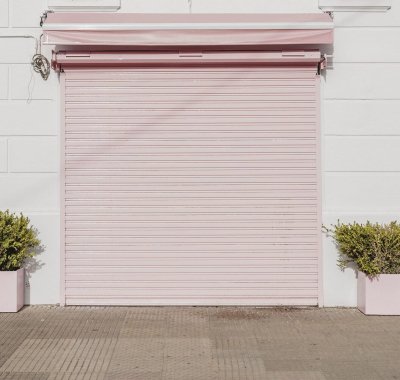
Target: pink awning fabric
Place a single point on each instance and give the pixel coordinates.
(151, 30)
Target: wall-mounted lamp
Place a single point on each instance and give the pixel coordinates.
(355, 5)
(84, 5)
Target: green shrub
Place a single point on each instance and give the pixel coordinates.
(374, 248)
(18, 241)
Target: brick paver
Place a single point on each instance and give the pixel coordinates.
(197, 343)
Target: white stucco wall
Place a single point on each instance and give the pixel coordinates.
(360, 126)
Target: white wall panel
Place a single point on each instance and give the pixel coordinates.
(26, 14)
(360, 37)
(3, 155)
(33, 154)
(34, 118)
(38, 193)
(3, 13)
(154, 6)
(16, 50)
(363, 81)
(43, 274)
(29, 192)
(25, 82)
(369, 153)
(362, 192)
(3, 82)
(340, 287)
(361, 117)
(220, 6)
(254, 6)
(367, 45)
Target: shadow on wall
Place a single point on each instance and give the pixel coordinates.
(32, 265)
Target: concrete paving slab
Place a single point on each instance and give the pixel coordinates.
(196, 343)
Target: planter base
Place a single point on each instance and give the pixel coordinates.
(12, 286)
(379, 296)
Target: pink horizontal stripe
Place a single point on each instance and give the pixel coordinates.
(189, 37)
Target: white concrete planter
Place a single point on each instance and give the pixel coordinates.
(12, 287)
(380, 295)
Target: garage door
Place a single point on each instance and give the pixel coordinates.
(193, 185)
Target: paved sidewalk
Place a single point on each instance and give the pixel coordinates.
(198, 344)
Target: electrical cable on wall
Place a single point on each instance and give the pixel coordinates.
(39, 62)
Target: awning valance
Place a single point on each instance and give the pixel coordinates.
(149, 30)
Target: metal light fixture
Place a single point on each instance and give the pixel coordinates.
(86, 5)
(355, 5)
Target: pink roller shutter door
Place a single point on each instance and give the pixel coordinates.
(191, 186)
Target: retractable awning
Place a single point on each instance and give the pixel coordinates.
(149, 30)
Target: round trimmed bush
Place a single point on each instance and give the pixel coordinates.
(374, 248)
(18, 240)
